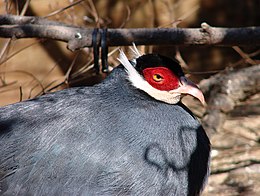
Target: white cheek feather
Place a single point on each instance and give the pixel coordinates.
(139, 82)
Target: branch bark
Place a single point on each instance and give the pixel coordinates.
(27, 27)
(226, 90)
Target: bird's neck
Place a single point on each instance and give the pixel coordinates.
(118, 83)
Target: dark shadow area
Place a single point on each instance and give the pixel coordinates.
(195, 164)
(6, 126)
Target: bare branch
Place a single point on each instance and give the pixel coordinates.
(226, 90)
(28, 27)
(28, 20)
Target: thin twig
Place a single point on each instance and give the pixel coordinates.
(94, 12)
(25, 7)
(71, 66)
(245, 56)
(18, 51)
(238, 165)
(21, 93)
(90, 65)
(56, 86)
(127, 17)
(46, 76)
(63, 9)
(26, 73)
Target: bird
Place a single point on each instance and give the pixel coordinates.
(128, 135)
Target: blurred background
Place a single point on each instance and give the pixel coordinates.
(32, 67)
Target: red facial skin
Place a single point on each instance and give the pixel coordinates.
(161, 78)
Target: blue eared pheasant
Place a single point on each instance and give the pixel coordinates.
(129, 135)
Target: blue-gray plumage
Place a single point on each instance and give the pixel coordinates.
(110, 139)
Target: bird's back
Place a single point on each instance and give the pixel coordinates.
(101, 140)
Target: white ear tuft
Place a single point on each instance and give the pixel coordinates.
(134, 77)
(132, 73)
(135, 52)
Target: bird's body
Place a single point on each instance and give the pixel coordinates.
(110, 139)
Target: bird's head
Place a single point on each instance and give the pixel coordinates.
(160, 77)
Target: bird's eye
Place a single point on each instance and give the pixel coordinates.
(161, 78)
(157, 77)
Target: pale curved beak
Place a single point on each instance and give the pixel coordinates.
(188, 87)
